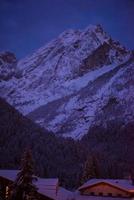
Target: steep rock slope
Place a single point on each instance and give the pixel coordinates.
(80, 79)
(109, 97)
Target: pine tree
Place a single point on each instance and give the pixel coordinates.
(90, 169)
(23, 187)
(96, 167)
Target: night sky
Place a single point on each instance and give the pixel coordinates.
(26, 25)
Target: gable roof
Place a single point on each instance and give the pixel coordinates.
(9, 174)
(121, 184)
(46, 186)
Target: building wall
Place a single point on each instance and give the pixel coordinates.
(4, 188)
(105, 190)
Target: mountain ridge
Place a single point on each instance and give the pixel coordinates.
(65, 85)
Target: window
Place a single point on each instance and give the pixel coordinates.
(7, 192)
(110, 194)
(100, 194)
(92, 193)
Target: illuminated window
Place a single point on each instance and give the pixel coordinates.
(7, 192)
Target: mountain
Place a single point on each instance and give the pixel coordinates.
(79, 80)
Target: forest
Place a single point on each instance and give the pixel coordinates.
(105, 152)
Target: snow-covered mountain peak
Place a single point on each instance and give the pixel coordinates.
(66, 85)
(71, 48)
(69, 36)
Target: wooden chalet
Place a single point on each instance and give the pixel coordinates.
(105, 189)
(48, 188)
(94, 189)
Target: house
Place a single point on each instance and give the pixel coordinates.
(105, 189)
(48, 188)
(94, 189)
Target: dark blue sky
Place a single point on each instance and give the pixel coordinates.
(26, 25)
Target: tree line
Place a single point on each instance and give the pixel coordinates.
(102, 153)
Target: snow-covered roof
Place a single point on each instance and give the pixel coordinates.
(9, 174)
(123, 184)
(64, 194)
(46, 186)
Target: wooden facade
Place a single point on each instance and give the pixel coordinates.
(5, 190)
(120, 188)
(105, 189)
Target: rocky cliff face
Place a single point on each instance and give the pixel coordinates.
(7, 65)
(80, 79)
